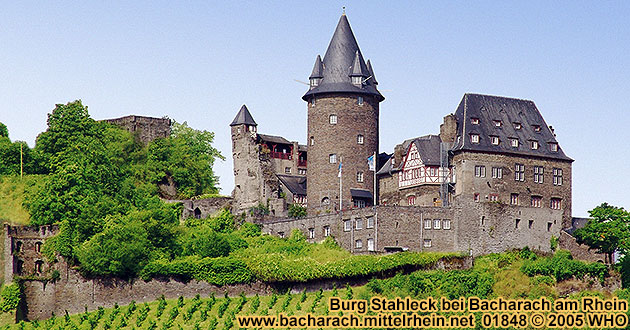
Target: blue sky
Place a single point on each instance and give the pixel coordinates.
(200, 61)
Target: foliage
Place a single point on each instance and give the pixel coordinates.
(10, 297)
(259, 210)
(563, 267)
(553, 243)
(4, 131)
(297, 211)
(249, 229)
(205, 242)
(187, 157)
(608, 231)
(219, 271)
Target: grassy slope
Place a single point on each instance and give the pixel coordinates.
(11, 197)
(509, 282)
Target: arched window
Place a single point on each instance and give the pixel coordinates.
(325, 201)
(197, 213)
(38, 247)
(39, 265)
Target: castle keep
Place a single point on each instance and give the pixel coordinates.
(494, 178)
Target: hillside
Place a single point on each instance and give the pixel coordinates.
(492, 276)
(12, 196)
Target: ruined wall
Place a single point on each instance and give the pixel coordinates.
(579, 251)
(22, 250)
(145, 129)
(202, 208)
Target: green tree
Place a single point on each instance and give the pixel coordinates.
(297, 211)
(186, 158)
(4, 131)
(122, 249)
(607, 231)
(205, 242)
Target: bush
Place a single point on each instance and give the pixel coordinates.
(10, 297)
(297, 211)
(204, 242)
(563, 267)
(219, 271)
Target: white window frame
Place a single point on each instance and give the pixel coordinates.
(514, 199)
(326, 231)
(427, 223)
(359, 176)
(474, 138)
(358, 223)
(427, 243)
(347, 225)
(437, 224)
(536, 201)
(370, 244)
(514, 142)
(369, 222)
(557, 176)
(446, 224)
(311, 233)
(497, 123)
(332, 119)
(474, 121)
(497, 172)
(517, 126)
(555, 203)
(360, 139)
(494, 140)
(534, 144)
(519, 172)
(553, 147)
(287, 170)
(539, 174)
(480, 171)
(332, 158)
(358, 244)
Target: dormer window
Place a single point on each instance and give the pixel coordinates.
(517, 126)
(514, 142)
(357, 81)
(494, 140)
(553, 147)
(474, 138)
(497, 123)
(536, 128)
(315, 82)
(474, 121)
(534, 144)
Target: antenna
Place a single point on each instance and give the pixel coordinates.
(366, 79)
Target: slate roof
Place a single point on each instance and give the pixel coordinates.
(488, 109)
(361, 193)
(295, 184)
(339, 63)
(243, 117)
(274, 139)
(429, 149)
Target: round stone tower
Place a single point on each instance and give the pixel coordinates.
(343, 110)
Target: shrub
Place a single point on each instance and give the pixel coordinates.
(563, 267)
(10, 297)
(297, 211)
(219, 271)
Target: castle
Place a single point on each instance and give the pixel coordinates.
(494, 178)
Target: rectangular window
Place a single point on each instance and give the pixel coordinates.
(476, 197)
(332, 119)
(347, 225)
(534, 144)
(427, 224)
(359, 176)
(539, 173)
(311, 233)
(359, 139)
(302, 171)
(359, 203)
(556, 203)
(553, 147)
(411, 200)
(497, 123)
(287, 170)
(494, 140)
(370, 243)
(514, 199)
(519, 172)
(437, 224)
(358, 223)
(557, 176)
(433, 171)
(358, 244)
(332, 158)
(480, 171)
(427, 243)
(536, 201)
(494, 197)
(530, 224)
(360, 100)
(536, 128)
(326, 231)
(370, 222)
(474, 121)
(517, 125)
(517, 222)
(514, 143)
(474, 138)
(497, 172)
(446, 224)
(548, 226)
(281, 234)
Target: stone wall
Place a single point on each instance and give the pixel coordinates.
(202, 208)
(579, 251)
(22, 250)
(145, 129)
(340, 139)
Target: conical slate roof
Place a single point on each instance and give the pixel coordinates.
(338, 64)
(318, 69)
(243, 117)
(371, 72)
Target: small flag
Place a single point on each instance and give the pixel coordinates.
(370, 161)
(340, 165)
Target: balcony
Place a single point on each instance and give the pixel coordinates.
(280, 155)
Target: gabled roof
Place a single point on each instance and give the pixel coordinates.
(243, 117)
(429, 149)
(318, 69)
(338, 63)
(488, 109)
(295, 184)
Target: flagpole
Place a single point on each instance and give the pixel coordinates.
(374, 200)
(340, 183)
